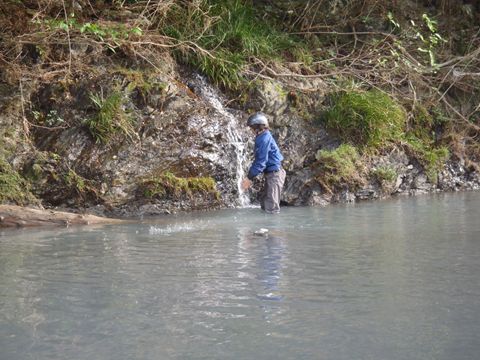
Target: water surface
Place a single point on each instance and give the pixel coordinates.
(396, 279)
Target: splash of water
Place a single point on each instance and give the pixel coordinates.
(176, 228)
(233, 135)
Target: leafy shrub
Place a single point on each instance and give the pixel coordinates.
(368, 118)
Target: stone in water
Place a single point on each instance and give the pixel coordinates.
(261, 232)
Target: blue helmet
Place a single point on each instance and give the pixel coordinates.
(258, 118)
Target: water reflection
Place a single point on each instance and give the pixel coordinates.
(271, 264)
(389, 280)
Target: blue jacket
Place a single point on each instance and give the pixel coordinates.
(267, 155)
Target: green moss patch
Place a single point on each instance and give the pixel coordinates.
(13, 187)
(167, 185)
(339, 168)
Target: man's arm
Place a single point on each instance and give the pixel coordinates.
(261, 157)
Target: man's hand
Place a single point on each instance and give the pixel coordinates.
(246, 183)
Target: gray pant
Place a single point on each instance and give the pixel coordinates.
(272, 189)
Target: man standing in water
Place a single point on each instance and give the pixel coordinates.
(268, 160)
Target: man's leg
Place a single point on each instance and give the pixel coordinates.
(263, 194)
(273, 190)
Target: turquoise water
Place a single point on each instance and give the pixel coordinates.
(396, 279)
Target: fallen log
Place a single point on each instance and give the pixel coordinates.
(17, 216)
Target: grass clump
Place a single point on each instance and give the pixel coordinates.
(339, 168)
(220, 37)
(420, 140)
(111, 118)
(431, 158)
(13, 187)
(75, 181)
(169, 185)
(373, 120)
(367, 118)
(384, 174)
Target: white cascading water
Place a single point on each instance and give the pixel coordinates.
(233, 135)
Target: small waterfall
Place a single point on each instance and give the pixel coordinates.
(209, 94)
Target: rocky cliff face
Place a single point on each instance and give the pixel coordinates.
(182, 146)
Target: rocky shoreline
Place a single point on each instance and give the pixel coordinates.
(126, 129)
(187, 157)
(409, 179)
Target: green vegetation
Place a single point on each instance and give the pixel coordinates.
(111, 118)
(141, 81)
(425, 32)
(430, 41)
(423, 85)
(109, 34)
(339, 168)
(371, 119)
(13, 187)
(51, 119)
(221, 37)
(432, 159)
(420, 140)
(167, 184)
(384, 174)
(75, 181)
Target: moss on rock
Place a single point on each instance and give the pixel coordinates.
(342, 167)
(168, 185)
(13, 187)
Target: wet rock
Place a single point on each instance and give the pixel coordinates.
(346, 197)
(366, 194)
(398, 184)
(301, 188)
(270, 97)
(421, 184)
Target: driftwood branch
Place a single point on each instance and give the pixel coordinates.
(18, 217)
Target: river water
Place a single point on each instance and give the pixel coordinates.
(395, 279)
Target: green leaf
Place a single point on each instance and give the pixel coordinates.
(84, 27)
(392, 20)
(63, 26)
(136, 31)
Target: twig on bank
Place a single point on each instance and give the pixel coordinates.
(68, 37)
(342, 33)
(26, 128)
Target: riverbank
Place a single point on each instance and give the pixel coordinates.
(12, 216)
(105, 113)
